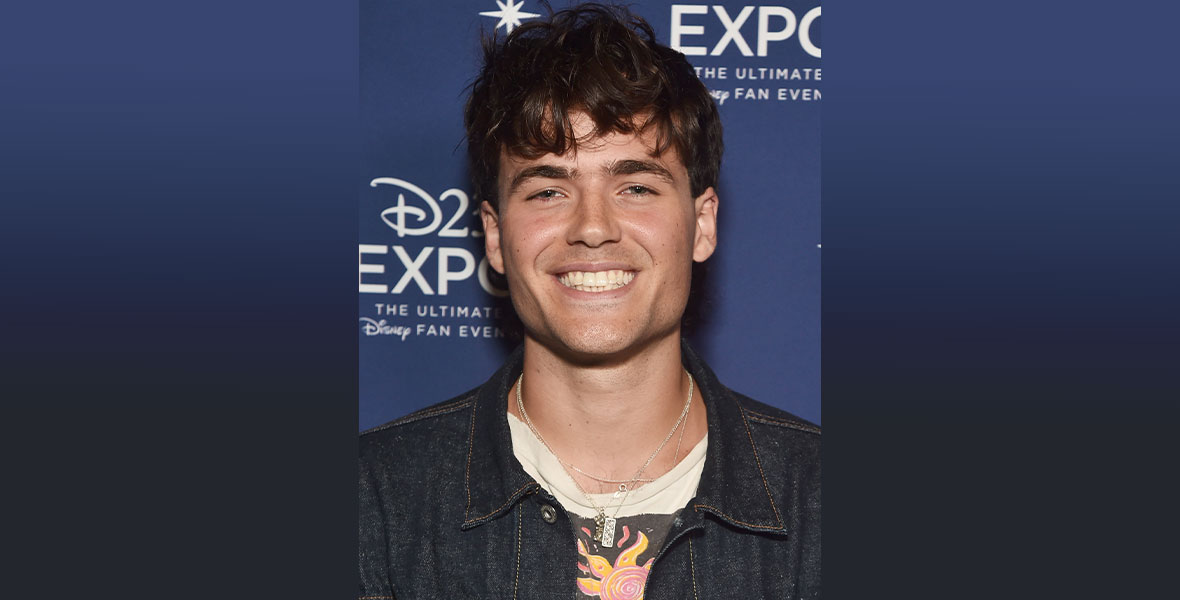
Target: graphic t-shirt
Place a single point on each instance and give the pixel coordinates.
(643, 519)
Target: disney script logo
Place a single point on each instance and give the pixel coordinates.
(373, 327)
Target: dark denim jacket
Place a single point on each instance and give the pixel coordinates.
(446, 511)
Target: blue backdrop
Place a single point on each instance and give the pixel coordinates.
(432, 324)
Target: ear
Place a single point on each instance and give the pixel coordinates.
(705, 240)
(491, 236)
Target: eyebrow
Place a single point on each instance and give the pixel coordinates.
(631, 167)
(616, 168)
(542, 172)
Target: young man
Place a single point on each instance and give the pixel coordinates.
(604, 459)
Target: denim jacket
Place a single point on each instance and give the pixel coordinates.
(446, 510)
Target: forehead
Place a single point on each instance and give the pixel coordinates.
(594, 151)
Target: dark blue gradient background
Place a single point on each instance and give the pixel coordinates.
(1000, 299)
(178, 234)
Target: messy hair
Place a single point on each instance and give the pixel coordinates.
(599, 60)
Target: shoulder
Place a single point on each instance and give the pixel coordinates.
(765, 414)
(428, 430)
(434, 412)
(784, 440)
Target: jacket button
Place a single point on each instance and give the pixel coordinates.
(548, 513)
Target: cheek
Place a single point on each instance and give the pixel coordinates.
(667, 238)
(524, 241)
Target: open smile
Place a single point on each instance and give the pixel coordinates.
(596, 281)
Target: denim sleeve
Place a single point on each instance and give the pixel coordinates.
(373, 556)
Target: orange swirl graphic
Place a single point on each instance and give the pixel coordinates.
(620, 581)
(624, 584)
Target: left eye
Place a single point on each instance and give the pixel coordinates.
(638, 189)
(546, 194)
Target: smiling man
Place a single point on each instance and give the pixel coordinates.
(604, 459)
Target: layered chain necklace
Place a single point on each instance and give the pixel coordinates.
(604, 526)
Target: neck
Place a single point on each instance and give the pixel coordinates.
(608, 418)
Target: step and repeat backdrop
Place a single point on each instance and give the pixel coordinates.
(433, 318)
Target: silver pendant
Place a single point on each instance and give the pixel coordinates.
(622, 490)
(608, 532)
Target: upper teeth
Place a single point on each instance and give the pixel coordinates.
(596, 281)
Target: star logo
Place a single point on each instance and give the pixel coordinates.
(509, 14)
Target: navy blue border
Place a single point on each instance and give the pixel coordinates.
(1000, 297)
(179, 292)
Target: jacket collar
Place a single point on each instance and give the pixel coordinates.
(733, 487)
(495, 479)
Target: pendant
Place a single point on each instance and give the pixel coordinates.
(622, 490)
(608, 532)
(599, 523)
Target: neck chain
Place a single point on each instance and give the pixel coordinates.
(623, 482)
(604, 526)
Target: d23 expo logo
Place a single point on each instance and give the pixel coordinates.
(416, 216)
(753, 32)
(775, 24)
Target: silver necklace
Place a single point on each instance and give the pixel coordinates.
(604, 526)
(623, 482)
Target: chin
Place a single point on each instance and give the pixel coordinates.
(598, 344)
(595, 342)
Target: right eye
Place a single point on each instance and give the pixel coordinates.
(548, 194)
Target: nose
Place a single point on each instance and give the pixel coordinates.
(594, 222)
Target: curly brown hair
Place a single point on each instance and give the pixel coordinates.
(600, 60)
